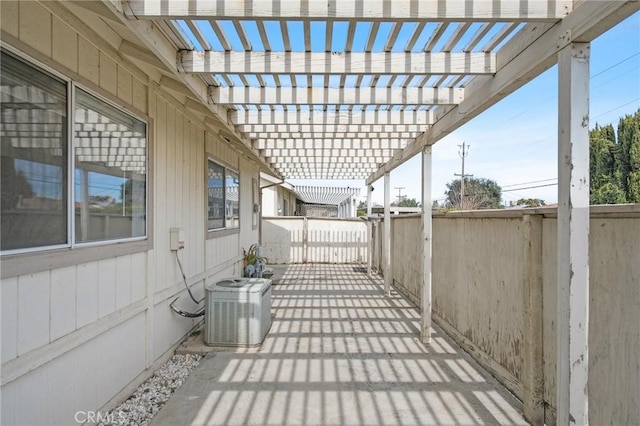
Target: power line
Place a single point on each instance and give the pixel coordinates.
(590, 78)
(530, 187)
(621, 106)
(604, 83)
(527, 183)
(616, 64)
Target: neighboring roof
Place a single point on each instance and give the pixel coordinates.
(325, 195)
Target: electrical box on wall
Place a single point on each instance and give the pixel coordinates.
(176, 241)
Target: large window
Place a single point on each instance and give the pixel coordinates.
(110, 172)
(62, 187)
(223, 185)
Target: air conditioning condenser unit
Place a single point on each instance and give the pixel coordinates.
(237, 312)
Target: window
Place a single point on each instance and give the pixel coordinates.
(105, 181)
(34, 157)
(223, 186)
(110, 172)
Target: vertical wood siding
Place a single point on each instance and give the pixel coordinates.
(73, 337)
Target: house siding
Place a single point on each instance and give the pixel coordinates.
(78, 337)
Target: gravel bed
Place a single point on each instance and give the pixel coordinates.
(148, 399)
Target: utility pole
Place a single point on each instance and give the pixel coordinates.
(399, 188)
(463, 152)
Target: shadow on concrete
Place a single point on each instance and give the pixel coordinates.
(340, 353)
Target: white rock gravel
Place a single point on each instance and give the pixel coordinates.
(148, 399)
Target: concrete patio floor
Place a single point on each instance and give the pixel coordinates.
(340, 353)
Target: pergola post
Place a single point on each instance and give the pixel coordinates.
(369, 231)
(426, 244)
(572, 368)
(388, 273)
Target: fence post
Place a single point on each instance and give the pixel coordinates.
(305, 239)
(533, 375)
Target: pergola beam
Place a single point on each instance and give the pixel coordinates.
(333, 96)
(322, 165)
(365, 63)
(326, 176)
(516, 68)
(320, 153)
(293, 162)
(371, 10)
(346, 143)
(328, 136)
(295, 129)
(332, 117)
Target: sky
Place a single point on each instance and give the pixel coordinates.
(515, 142)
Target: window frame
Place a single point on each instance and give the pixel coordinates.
(140, 243)
(224, 230)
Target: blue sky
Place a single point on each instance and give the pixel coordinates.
(514, 142)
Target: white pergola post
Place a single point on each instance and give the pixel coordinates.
(426, 244)
(573, 236)
(388, 273)
(369, 231)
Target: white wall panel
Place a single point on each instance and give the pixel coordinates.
(63, 301)
(33, 311)
(138, 276)
(123, 281)
(9, 18)
(88, 60)
(269, 201)
(9, 318)
(106, 287)
(64, 44)
(35, 26)
(87, 294)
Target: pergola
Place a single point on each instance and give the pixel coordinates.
(350, 89)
